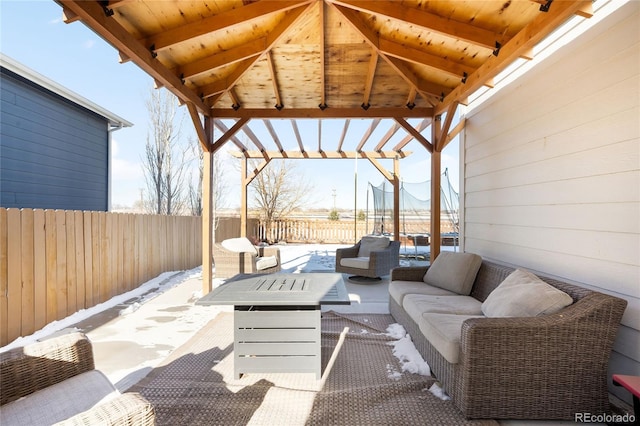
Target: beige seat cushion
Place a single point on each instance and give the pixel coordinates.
(355, 262)
(523, 294)
(444, 331)
(417, 304)
(266, 262)
(240, 245)
(371, 243)
(454, 271)
(60, 401)
(399, 289)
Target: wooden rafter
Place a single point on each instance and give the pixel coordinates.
(252, 136)
(521, 43)
(344, 134)
(373, 62)
(274, 80)
(448, 27)
(383, 141)
(221, 21)
(224, 129)
(296, 131)
(247, 51)
(420, 127)
(323, 94)
(279, 31)
(313, 155)
(373, 39)
(273, 134)
(93, 15)
(367, 134)
(415, 134)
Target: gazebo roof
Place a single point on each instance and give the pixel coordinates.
(323, 58)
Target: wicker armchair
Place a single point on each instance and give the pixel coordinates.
(378, 264)
(238, 256)
(38, 386)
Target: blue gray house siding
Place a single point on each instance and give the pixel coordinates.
(54, 153)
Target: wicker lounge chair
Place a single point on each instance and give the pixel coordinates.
(55, 381)
(367, 259)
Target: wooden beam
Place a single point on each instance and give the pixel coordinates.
(92, 14)
(229, 133)
(541, 26)
(289, 20)
(294, 124)
(203, 137)
(234, 55)
(373, 39)
(273, 134)
(208, 228)
(344, 134)
(323, 68)
(371, 72)
(247, 130)
(388, 176)
(224, 129)
(416, 134)
(453, 133)
(256, 171)
(451, 112)
(423, 125)
(264, 113)
(274, 80)
(418, 56)
(315, 155)
(169, 37)
(383, 141)
(418, 17)
(367, 134)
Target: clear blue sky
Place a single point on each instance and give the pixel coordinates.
(33, 33)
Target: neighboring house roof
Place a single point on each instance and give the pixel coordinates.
(29, 74)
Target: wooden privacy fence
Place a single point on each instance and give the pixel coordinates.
(54, 263)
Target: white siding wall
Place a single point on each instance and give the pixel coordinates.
(552, 171)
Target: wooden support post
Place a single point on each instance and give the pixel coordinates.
(436, 167)
(207, 214)
(243, 198)
(396, 198)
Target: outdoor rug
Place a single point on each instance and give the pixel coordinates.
(362, 383)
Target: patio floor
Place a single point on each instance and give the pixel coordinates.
(128, 346)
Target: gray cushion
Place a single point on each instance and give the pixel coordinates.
(355, 262)
(454, 271)
(371, 243)
(60, 401)
(523, 294)
(399, 289)
(444, 331)
(417, 304)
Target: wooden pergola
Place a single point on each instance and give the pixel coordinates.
(266, 60)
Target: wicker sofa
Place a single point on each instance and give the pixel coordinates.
(55, 381)
(542, 367)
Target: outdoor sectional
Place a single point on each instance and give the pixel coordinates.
(55, 381)
(510, 366)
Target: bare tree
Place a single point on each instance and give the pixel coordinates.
(220, 188)
(164, 164)
(278, 190)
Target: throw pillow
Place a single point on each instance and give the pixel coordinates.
(371, 243)
(455, 272)
(523, 294)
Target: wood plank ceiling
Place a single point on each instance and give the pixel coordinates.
(321, 59)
